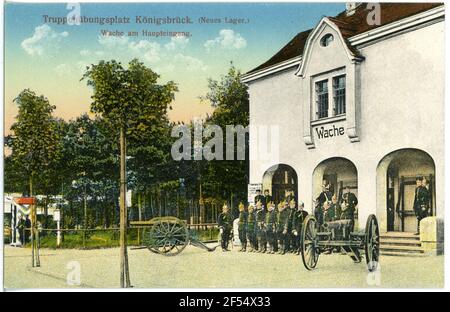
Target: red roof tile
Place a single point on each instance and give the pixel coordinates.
(350, 26)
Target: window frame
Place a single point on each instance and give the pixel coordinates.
(319, 98)
(341, 96)
(326, 40)
(328, 77)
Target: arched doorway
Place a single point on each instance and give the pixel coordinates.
(341, 175)
(279, 180)
(396, 185)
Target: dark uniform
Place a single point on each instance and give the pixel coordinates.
(260, 229)
(421, 204)
(225, 221)
(318, 214)
(27, 230)
(251, 230)
(262, 199)
(297, 222)
(267, 200)
(281, 228)
(290, 236)
(289, 198)
(243, 229)
(329, 215)
(325, 196)
(270, 221)
(21, 228)
(350, 200)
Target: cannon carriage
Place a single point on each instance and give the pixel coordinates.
(167, 236)
(337, 236)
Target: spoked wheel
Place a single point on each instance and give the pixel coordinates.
(309, 241)
(167, 236)
(372, 243)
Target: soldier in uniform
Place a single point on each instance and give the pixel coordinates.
(260, 198)
(289, 196)
(421, 202)
(297, 222)
(270, 226)
(350, 202)
(251, 229)
(21, 228)
(324, 196)
(282, 226)
(318, 213)
(225, 221)
(290, 246)
(242, 227)
(348, 207)
(267, 198)
(329, 212)
(260, 227)
(27, 229)
(426, 183)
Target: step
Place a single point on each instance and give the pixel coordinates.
(400, 234)
(405, 249)
(404, 237)
(401, 254)
(400, 242)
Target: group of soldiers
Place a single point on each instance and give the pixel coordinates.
(265, 227)
(269, 228)
(329, 208)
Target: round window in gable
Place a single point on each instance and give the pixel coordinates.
(326, 40)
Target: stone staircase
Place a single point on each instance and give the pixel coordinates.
(400, 244)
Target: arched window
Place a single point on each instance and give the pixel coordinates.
(326, 40)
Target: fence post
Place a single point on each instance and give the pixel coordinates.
(58, 233)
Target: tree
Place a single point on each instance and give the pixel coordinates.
(35, 142)
(230, 99)
(128, 99)
(90, 160)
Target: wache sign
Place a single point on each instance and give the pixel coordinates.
(329, 130)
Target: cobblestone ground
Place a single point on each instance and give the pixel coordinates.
(196, 268)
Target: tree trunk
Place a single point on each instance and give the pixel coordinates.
(124, 273)
(32, 221)
(34, 238)
(46, 211)
(139, 206)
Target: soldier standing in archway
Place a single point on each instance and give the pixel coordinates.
(421, 202)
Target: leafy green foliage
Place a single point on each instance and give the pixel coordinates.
(35, 142)
(81, 156)
(129, 98)
(230, 99)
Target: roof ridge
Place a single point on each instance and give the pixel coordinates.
(349, 25)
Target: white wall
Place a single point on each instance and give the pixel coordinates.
(402, 106)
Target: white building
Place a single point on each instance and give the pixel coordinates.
(359, 101)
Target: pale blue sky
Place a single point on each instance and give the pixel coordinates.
(50, 58)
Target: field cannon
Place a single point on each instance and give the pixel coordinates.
(167, 236)
(336, 236)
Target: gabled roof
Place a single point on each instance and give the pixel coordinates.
(349, 26)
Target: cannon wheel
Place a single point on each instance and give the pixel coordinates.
(167, 236)
(372, 243)
(309, 239)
